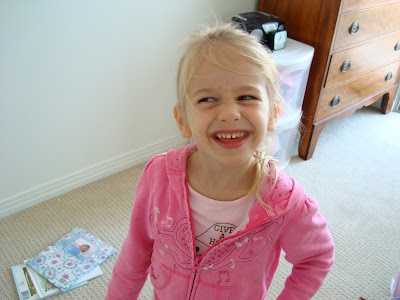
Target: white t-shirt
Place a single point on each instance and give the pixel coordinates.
(214, 220)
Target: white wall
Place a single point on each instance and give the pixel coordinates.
(87, 88)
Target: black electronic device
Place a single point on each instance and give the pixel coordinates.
(268, 29)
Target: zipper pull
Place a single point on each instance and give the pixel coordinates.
(196, 264)
(193, 279)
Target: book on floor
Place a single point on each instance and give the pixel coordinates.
(71, 257)
(25, 288)
(31, 285)
(25, 284)
(45, 288)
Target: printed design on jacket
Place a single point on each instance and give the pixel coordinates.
(173, 237)
(245, 248)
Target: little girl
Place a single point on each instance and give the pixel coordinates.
(210, 219)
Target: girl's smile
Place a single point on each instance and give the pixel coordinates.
(231, 138)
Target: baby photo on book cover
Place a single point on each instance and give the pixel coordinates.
(81, 249)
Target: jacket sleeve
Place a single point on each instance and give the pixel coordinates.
(133, 264)
(309, 247)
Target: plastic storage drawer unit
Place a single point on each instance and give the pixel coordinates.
(293, 63)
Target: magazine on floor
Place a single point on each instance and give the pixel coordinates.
(70, 258)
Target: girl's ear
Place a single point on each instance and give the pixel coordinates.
(274, 117)
(180, 121)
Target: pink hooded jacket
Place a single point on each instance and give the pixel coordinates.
(161, 241)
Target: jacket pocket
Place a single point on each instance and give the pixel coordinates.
(160, 278)
(169, 283)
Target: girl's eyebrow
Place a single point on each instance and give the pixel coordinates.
(205, 90)
(202, 92)
(248, 87)
(239, 89)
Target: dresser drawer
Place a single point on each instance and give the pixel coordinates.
(371, 23)
(348, 4)
(356, 90)
(362, 59)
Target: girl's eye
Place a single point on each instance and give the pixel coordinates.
(246, 97)
(208, 99)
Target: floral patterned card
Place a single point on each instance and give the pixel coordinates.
(70, 258)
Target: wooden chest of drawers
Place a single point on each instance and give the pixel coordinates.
(356, 60)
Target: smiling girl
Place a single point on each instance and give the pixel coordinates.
(210, 219)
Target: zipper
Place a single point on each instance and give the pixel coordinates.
(195, 272)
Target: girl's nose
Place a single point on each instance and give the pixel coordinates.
(229, 112)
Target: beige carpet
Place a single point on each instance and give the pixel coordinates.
(353, 174)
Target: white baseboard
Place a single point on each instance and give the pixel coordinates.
(59, 186)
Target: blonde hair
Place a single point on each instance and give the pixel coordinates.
(215, 44)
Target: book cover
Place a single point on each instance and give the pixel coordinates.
(25, 288)
(71, 257)
(45, 288)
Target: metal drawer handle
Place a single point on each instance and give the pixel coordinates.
(388, 76)
(354, 27)
(346, 66)
(335, 101)
(397, 47)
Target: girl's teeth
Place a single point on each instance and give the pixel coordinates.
(230, 136)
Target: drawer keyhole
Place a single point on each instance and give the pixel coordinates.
(354, 28)
(389, 76)
(397, 47)
(335, 101)
(346, 66)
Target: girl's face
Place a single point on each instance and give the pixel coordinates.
(228, 114)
